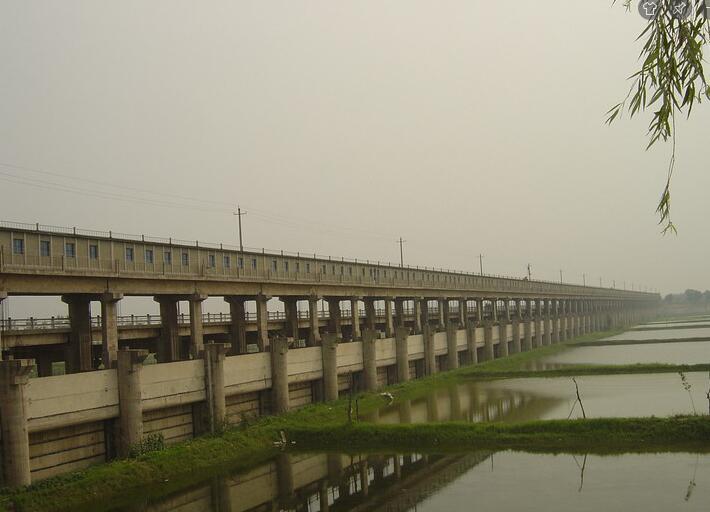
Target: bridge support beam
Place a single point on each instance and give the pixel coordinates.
(197, 332)
(291, 309)
(334, 317)
(329, 352)
(429, 354)
(463, 313)
(214, 354)
(399, 312)
(262, 321)
(169, 348)
(370, 314)
(279, 374)
(109, 329)
(527, 334)
(503, 338)
(548, 323)
(421, 314)
(452, 352)
(314, 336)
(14, 375)
(516, 347)
(402, 353)
(369, 360)
(489, 350)
(355, 317)
(389, 319)
(78, 351)
(130, 404)
(471, 342)
(443, 316)
(237, 329)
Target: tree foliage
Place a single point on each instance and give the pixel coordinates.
(670, 82)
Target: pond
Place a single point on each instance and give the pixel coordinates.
(692, 352)
(525, 399)
(470, 480)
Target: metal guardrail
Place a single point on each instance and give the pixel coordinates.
(63, 322)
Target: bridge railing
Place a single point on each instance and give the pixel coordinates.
(63, 322)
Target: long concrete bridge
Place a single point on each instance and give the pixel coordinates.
(367, 324)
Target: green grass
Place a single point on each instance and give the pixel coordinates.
(325, 425)
(604, 435)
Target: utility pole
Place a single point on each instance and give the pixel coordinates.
(239, 214)
(401, 252)
(584, 279)
(529, 273)
(480, 262)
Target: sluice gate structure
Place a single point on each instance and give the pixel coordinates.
(364, 324)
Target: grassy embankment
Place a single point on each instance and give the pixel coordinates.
(322, 426)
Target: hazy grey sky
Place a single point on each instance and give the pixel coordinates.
(466, 127)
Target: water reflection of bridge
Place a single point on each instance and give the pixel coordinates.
(473, 402)
(325, 482)
(392, 483)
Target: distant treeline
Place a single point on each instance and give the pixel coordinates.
(689, 296)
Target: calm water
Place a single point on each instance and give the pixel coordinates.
(480, 481)
(512, 400)
(698, 323)
(501, 481)
(663, 334)
(696, 352)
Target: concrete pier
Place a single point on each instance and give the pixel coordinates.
(279, 375)
(14, 375)
(130, 403)
(109, 328)
(330, 367)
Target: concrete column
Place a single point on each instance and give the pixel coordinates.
(214, 354)
(334, 317)
(329, 352)
(517, 347)
(564, 325)
(554, 322)
(494, 304)
(443, 317)
(355, 316)
(548, 323)
(14, 375)
(527, 334)
(262, 322)
(279, 374)
(518, 309)
(463, 314)
(169, 343)
(109, 328)
(488, 340)
(479, 311)
(506, 309)
(370, 314)
(452, 353)
(429, 354)
(418, 324)
(197, 333)
(130, 405)
(399, 312)
(284, 478)
(389, 320)
(502, 337)
(423, 312)
(539, 327)
(364, 478)
(369, 360)
(43, 360)
(237, 330)
(78, 350)
(402, 352)
(471, 342)
(291, 309)
(314, 337)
